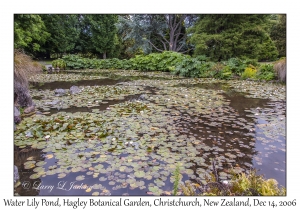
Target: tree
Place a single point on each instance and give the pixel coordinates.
(29, 32)
(166, 32)
(64, 30)
(102, 33)
(278, 34)
(221, 37)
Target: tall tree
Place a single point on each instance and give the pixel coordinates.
(64, 30)
(29, 32)
(103, 33)
(222, 36)
(164, 32)
(278, 34)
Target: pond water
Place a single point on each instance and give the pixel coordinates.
(127, 131)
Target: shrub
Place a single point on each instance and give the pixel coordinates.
(253, 184)
(174, 62)
(240, 185)
(59, 63)
(280, 69)
(192, 67)
(166, 61)
(77, 62)
(249, 72)
(220, 71)
(266, 72)
(237, 65)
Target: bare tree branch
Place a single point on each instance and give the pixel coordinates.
(179, 34)
(185, 51)
(179, 23)
(163, 37)
(165, 47)
(154, 46)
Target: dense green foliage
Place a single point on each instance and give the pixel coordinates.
(278, 34)
(59, 63)
(64, 32)
(103, 33)
(29, 32)
(180, 64)
(266, 72)
(219, 36)
(238, 65)
(249, 72)
(165, 61)
(222, 37)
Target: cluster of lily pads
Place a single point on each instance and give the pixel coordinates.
(124, 73)
(134, 146)
(271, 91)
(90, 96)
(63, 77)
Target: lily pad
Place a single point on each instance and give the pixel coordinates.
(80, 178)
(139, 174)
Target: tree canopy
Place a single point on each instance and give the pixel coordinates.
(103, 33)
(64, 30)
(217, 36)
(278, 34)
(29, 32)
(221, 37)
(166, 32)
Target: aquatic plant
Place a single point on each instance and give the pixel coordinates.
(240, 185)
(177, 179)
(126, 142)
(253, 184)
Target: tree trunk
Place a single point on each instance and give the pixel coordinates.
(104, 55)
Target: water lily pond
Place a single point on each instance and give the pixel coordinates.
(125, 132)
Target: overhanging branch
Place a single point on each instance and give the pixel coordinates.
(154, 46)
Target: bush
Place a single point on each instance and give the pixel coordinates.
(166, 61)
(250, 72)
(174, 62)
(59, 63)
(266, 72)
(220, 71)
(240, 185)
(280, 69)
(237, 65)
(253, 184)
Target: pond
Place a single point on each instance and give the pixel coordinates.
(125, 132)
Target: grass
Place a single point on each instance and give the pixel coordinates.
(280, 69)
(241, 184)
(24, 68)
(177, 179)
